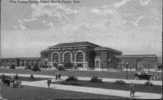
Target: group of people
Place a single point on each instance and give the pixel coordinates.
(15, 83)
(49, 81)
(156, 76)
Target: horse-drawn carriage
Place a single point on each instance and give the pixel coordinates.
(11, 82)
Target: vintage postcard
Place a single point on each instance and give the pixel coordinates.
(80, 49)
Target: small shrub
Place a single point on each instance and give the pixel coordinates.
(71, 78)
(60, 68)
(12, 66)
(120, 82)
(55, 65)
(16, 76)
(28, 67)
(148, 83)
(96, 79)
(32, 76)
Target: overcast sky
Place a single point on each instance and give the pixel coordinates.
(131, 26)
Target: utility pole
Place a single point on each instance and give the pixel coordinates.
(127, 70)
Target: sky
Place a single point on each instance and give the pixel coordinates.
(131, 26)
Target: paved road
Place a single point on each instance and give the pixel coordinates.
(92, 90)
(110, 92)
(88, 78)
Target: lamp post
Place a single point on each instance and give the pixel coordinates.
(127, 70)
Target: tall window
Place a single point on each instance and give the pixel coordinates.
(79, 57)
(67, 57)
(55, 58)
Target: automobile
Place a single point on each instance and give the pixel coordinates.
(143, 75)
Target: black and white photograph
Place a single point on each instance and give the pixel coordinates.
(81, 49)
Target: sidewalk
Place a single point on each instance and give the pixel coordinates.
(109, 92)
(88, 78)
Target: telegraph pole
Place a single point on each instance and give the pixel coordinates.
(127, 70)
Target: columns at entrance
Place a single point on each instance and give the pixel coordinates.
(98, 63)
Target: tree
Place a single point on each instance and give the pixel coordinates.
(160, 66)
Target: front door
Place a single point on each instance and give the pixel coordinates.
(97, 64)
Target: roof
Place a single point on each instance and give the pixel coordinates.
(74, 44)
(138, 56)
(29, 58)
(159, 60)
(107, 49)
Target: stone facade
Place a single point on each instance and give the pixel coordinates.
(84, 55)
(138, 62)
(22, 61)
(80, 54)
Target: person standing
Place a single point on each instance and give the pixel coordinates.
(59, 76)
(132, 90)
(56, 76)
(0, 89)
(48, 82)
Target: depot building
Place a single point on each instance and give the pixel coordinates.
(84, 55)
(81, 55)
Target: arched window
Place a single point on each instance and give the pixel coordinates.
(79, 57)
(55, 58)
(67, 57)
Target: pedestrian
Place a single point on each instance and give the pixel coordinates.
(132, 90)
(56, 76)
(59, 76)
(0, 89)
(48, 82)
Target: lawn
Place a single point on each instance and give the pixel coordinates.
(28, 78)
(75, 73)
(101, 74)
(35, 93)
(118, 86)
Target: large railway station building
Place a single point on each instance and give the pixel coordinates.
(85, 55)
(81, 55)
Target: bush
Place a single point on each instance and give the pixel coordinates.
(71, 78)
(60, 68)
(28, 67)
(148, 83)
(120, 82)
(16, 76)
(36, 68)
(55, 65)
(96, 79)
(32, 76)
(12, 66)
